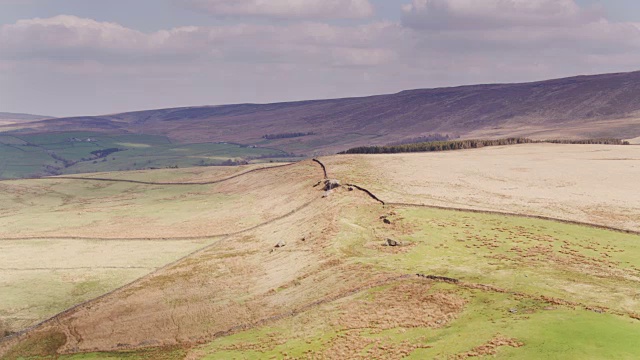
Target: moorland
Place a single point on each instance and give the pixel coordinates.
(583, 107)
(525, 251)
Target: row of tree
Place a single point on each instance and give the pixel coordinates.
(287, 135)
(603, 141)
(423, 139)
(468, 144)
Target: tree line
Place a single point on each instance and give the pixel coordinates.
(287, 135)
(468, 144)
(422, 139)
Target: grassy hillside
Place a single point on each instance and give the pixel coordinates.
(29, 155)
(578, 107)
(459, 284)
(115, 232)
(22, 117)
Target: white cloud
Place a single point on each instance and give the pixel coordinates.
(287, 9)
(438, 43)
(68, 39)
(491, 14)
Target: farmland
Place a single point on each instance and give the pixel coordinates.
(460, 283)
(29, 155)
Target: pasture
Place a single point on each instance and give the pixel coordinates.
(33, 155)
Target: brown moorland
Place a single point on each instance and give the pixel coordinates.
(578, 107)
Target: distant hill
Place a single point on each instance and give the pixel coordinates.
(16, 117)
(577, 107)
(13, 118)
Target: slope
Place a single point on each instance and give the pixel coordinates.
(584, 106)
(487, 284)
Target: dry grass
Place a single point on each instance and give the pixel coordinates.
(123, 210)
(41, 278)
(587, 183)
(323, 288)
(406, 305)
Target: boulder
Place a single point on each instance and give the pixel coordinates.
(331, 184)
(391, 242)
(281, 244)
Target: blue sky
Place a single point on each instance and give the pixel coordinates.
(73, 57)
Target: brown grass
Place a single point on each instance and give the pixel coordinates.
(585, 183)
(406, 305)
(490, 348)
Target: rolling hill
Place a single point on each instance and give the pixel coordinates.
(4, 116)
(7, 118)
(259, 262)
(577, 107)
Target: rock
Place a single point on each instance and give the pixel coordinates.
(392, 242)
(331, 184)
(350, 188)
(386, 221)
(281, 244)
(513, 311)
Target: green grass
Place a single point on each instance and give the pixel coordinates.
(521, 254)
(29, 155)
(558, 333)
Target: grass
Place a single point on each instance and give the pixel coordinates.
(43, 277)
(589, 265)
(29, 155)
(558, 333)
(499, 325)
(568, 291)
(107, 209)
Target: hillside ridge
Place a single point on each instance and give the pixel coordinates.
(584, 106)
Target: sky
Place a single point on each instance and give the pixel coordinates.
(91, 57)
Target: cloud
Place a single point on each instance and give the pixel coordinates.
(286, 9)
(493, 14)
(69, 39)
(437, 43)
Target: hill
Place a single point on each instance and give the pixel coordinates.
(576, 107)
(7, 118)
(490, 280)
(4, 116)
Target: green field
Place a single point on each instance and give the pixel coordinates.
(33, 155)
